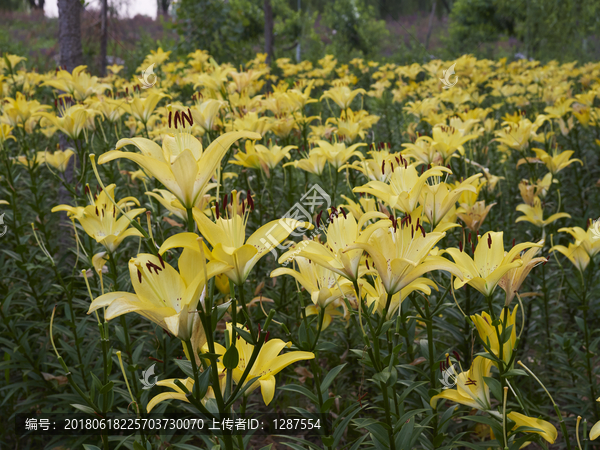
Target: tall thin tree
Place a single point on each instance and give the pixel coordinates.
(268, 30)
(103, 36)
(69, 33)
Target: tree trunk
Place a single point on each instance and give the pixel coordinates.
(430, 28)
(268, 31)
(103, 36)
(69, 34)
(163, 7)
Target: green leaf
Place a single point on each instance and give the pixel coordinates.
(107, 387)
(495, 388)
(330, 377)
(91, 447)
(231, 358)
(245, 335)
(300, 390)
(85, 409)
(515, 372)
(185, 366)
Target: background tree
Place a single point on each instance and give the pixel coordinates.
(69, 34)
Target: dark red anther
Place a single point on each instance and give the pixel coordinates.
(367, 263)
(217, 209)
(397, 160)
(139, 276)
(392, 164)
(412, 232)
(259, 331)
(319, 219)
(127, 90)
(405, 164)
(250, 200)
(224, 202)
(243, 208)
(343, 213)
(469, 238)
(383, 167)
(55, 104)
(267, 336)
(460, 246)
(410, 219)
(162, 262)
(86, 189)
(422, 169)
(489, 241)
(442, 369)
(177, 118)
(513, 242)
(97, 212)
(170, 117)
(188, 117)
(418, 219)
(422, 230)
(456, 355)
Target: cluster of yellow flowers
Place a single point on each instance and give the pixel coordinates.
(409, 221)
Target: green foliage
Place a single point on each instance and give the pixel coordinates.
(226, 29)
(354, 30)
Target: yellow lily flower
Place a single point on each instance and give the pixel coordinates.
(169, 201)
(164, 295)
(260, 157)
(181, 165)
(142, 108)
(376, 293)
(315, 163)
(471, 389)
(595, 431)
(178, 393)
(206, 113)
(489, 264)
(473, 216)
(557, 161)
(513, 279)
(59, 159)
(575, 253)
(227, 236)
(5, 133)
(364, 205)
(438, 199)
(331, 311)
(79, 84)
(400, 253)
(487, 333)
(72, 121)
(423, 151)
(587, 239)
(20, 111)
(342, 95)
(447, 140)
(535, 214)
(322, 284)
(342, 232)
(546, 429)
(337, 153)
(374, 168)
(268, 363)
(101, 220)
(404, 189)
